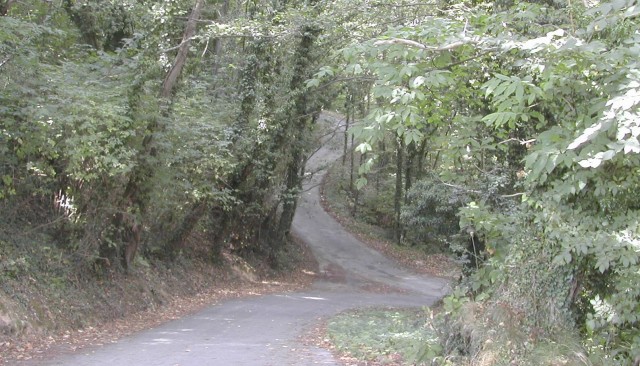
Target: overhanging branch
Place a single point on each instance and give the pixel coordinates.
(419, 45)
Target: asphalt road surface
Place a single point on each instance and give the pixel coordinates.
(267, 330)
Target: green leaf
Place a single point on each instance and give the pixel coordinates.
(364, 147)
(313, 83)
(417, 82)
(361, 183)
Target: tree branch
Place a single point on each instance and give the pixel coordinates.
(5, 61)
(512, 195)
(354, 78)
(179, 45)
(181, 58)
(381, 4)
(214, 37)
(419, 45)
(522, 142)
(467, 59)
(464, 189)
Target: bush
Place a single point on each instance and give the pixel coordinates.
(430, 214)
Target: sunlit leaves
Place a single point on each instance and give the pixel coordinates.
(608, 14)
(512, 96)
(361, 182)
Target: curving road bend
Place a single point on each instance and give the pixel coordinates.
(266, 330)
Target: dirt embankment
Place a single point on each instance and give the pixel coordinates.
(48, 312)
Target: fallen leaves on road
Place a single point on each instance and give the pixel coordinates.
(36, 346)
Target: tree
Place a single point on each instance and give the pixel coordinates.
(540, 112)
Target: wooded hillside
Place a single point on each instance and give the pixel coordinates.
(508, 130)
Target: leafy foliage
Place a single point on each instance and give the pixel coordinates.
(520, 118)
(546, 95)
(431, 213)
(90, 127)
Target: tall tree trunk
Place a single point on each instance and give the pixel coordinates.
(421, 156)
(293, 185)
(408, 171)
(217, 49)
(436, 159)
(356, 194)
(183, 51)
(248, 90)
(253, 177)
(382, 162)
(300, 124)
(127, 223)
(398, 197)
(352, 167)
(346, 138)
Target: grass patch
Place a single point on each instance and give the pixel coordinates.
(385, 336)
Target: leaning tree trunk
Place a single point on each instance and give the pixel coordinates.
(189, 222)
(127, 222)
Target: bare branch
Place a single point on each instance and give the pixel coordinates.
(429, 4)
(184, 41)
(217, 36)
(419, 45)
(206, 47)
(5, 61)
(522, 142)
(460, 187)
(512, 195)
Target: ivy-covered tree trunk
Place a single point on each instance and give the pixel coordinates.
(251, 179)
(248, 85)
(300, 121)
(128, 221)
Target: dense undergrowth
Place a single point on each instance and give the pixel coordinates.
(516, 122)
(511, 129)
(372, 223)
(458, 330)
(50, 297)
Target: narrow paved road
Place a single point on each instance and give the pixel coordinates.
(266, 330)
